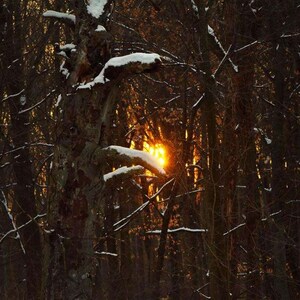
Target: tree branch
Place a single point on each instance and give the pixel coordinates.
(128, 156)
(68, 19)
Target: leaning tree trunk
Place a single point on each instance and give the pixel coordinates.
(76, 205)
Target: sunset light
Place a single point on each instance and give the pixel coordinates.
(158, 151)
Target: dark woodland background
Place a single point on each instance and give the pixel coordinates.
(224, 104)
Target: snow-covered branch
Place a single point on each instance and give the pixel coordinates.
(106, 253)
(131, 156)
(69, 19)
(134, 63)
(233, 229)
(64, 50)
(211, 32)
(126, 220)
(16, 229)
(180, 229)
(123, 222)
(123, 173)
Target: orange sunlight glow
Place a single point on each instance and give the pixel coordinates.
(158, 151)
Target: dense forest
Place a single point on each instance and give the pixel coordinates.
(149, 149)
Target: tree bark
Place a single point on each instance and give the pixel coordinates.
(77, 202)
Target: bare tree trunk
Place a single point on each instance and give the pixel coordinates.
(24, 206)
(281, 289)
(157, 274)
(217, 260)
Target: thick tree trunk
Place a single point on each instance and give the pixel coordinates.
(77, 201)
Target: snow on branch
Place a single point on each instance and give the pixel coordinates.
(123, 172)
(123, 222)
(15, 228)
(100, 28)
(180, 229)
(64, 17)
(106, 253)
(96, 8)
(211, 32)
(132, 156)
(126, 220)
(134, 63)
(64, 50)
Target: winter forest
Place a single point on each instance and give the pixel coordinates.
(149, 149)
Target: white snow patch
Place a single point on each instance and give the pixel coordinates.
(100, 28)
(195, 8)
(23, 100)
(268, 141)
(59, 15)
(64, 48)
(144, 156)
(143, 58)
(64, 70)
(63, 54)
(67, 47)
(58, 100)
(96, 7)
(122, 170)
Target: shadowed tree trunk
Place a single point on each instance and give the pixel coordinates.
(77, 203)
(279, 184)
(24, 206)
(243, 102)
(217, 260)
